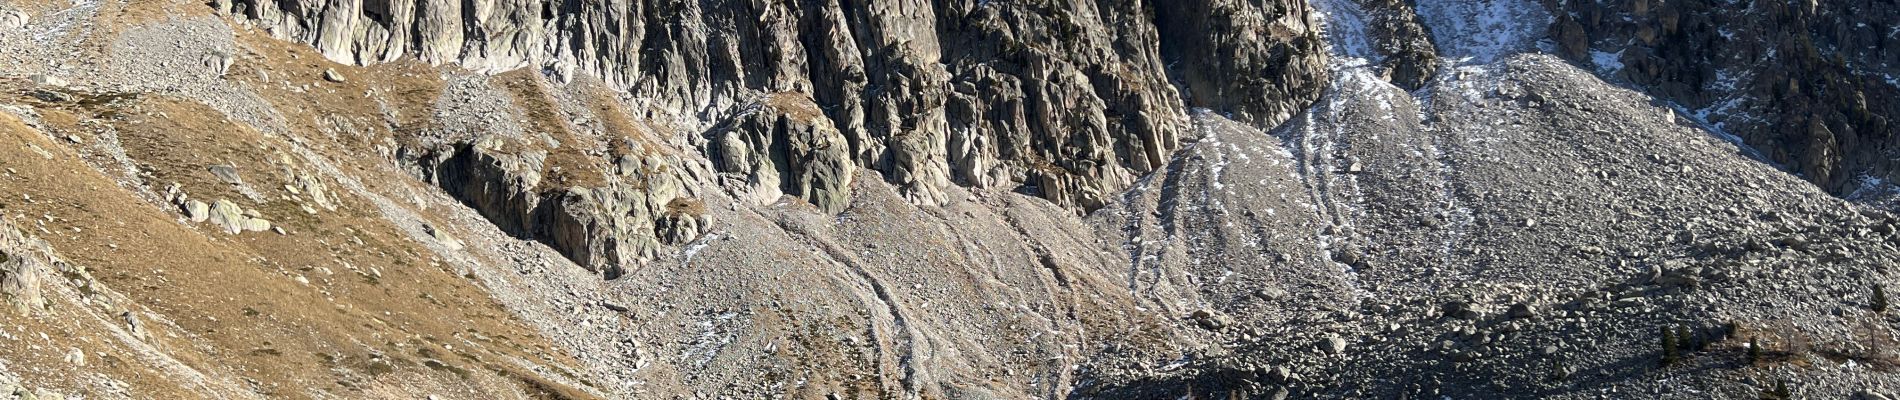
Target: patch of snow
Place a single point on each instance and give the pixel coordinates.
(1720, 108)
(1724, 82)
(1701, 119)
(1483, 31)
(1344, 25)
(1607, 63)
(715, 333)
(1872, 188)
(1177, 364)
(697, 245)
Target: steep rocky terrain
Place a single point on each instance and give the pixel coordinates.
(1813, 85)
(957, 199)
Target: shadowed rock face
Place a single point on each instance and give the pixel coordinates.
(1070, 100)
(1809, 84)
(1397, 34)
(1244, 56)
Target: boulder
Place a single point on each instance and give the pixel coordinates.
(1461, 310)
(1520, 311)
(13, 19)
(1210, 320)
(447, 241)
(22, 268)
(1333, 345)
(198, 211)
(253, 224)
(47, 80)
(226, 173)
(234, 219)
(218, 62)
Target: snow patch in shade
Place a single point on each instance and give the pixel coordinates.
(1483, 31)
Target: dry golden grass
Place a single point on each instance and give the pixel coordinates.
(30, 173)
(298, 314)
(567, 165)
(628, 137)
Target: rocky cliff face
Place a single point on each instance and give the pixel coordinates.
(1811, 85)
(785, 145)
(1247, 58)
(1070, 100)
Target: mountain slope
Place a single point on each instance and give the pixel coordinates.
(949, 199)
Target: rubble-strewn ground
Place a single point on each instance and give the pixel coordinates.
(190, 208)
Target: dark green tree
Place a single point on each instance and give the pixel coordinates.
(1879, 303)
(1671, 350)
(1754, 351)
(1779, 392)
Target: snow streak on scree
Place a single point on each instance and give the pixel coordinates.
(1335, 197)
(1466, 33)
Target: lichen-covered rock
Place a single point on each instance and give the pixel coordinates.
(197, 211)
(234, 219)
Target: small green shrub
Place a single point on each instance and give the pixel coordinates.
(1671, 347)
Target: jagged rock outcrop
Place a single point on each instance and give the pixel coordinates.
(1245, 57)
(29, 268)
(783, 145)
(1070, 100)
(1405, 42)
(1812, 85)
(619, 224)
(20, 269)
